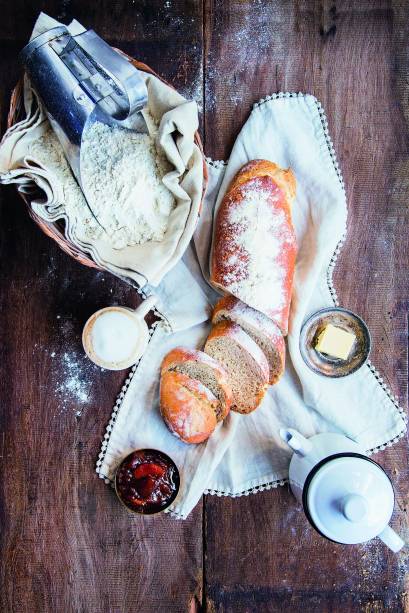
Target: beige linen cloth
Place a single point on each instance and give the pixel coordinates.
(245, 454)
(178, 121)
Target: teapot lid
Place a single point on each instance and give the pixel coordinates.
(348, 498)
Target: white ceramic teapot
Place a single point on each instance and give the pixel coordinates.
(347, 497)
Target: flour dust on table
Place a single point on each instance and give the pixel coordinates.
(74, 382)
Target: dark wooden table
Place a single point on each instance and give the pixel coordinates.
(65, 543)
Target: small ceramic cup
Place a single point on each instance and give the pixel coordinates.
(142, 334)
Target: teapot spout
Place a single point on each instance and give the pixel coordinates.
(391, 539)
(298, 443)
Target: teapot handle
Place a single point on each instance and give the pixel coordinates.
(298, 443)
(391, 539)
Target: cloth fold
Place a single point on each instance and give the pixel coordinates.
(176, 122)
(245, 453)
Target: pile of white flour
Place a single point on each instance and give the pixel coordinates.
(121, 172)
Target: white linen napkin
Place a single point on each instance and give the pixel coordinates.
(245, 454)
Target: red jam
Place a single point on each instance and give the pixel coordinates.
(147, 481)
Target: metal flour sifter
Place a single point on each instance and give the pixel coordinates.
(80, 79)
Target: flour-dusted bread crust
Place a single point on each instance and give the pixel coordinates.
(198, 365)
(262, 330)
(254, 244)
(244, 361)
(187, 407)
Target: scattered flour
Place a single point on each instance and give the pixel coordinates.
(75, 386)
(257, 37)
(121, 172)
(253, 268)
(193, 88)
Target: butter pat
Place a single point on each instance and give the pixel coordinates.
(335, 342)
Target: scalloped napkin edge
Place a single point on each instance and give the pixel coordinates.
(245, 454)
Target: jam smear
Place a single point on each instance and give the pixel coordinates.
(147, 481)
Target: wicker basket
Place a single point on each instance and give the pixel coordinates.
(56, 229)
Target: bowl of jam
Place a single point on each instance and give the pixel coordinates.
(147, 481)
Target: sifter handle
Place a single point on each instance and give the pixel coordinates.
(131, 84)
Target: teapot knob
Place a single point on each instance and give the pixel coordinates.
(354, 507)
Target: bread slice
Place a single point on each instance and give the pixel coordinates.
(188, 407)
(244, 361)
(198, 365)
(262, 330)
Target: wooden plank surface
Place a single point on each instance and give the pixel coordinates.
(65, 544)
(346, 53)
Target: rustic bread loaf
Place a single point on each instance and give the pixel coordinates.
(187, 406)
(254, 244)
(198, 365)
(262, 330)
(244, 361)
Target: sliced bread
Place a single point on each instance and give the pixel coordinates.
(244, 361)
(188, 407)
(198, 365)
(262, 330)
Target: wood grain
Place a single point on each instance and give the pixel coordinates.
(66, 544)
(352, 56)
